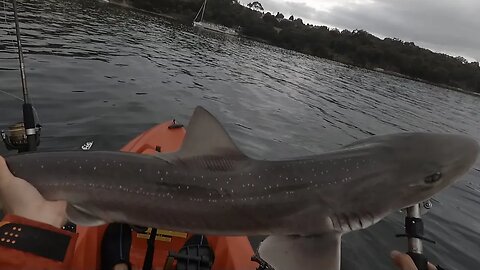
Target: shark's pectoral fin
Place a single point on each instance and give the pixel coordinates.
(320, 252)
(80, 217)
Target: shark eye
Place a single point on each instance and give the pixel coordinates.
(433, 178)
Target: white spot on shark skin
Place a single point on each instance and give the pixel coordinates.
(161, 178)
(188, 187)
(158, 172)
(94, 168)
(139, 170)
(79, 167)
(41, 166)
(120, 165)
(166, 173)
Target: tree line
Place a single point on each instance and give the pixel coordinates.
(357, 47)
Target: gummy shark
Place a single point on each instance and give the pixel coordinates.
(209, 186)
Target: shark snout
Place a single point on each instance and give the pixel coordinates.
(465, 151)
(457, 154)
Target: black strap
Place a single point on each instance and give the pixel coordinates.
(148, 262)
(115, 248)
(44, 243)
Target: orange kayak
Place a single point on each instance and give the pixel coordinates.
(230, 253)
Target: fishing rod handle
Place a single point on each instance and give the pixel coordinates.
(420, 260)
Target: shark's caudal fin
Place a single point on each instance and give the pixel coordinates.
(206, 137)
(320, 252)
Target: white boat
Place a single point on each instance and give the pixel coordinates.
(200, 24)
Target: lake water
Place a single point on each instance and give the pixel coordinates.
(103, 73)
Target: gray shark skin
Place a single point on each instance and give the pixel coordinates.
(211, 187)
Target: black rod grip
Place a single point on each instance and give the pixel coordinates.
(29, 122)
(420, 260)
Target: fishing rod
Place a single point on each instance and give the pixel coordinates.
(414, 232)
(23, 136)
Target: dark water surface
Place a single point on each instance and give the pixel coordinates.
(103, 73)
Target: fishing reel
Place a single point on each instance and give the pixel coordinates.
(16, 137)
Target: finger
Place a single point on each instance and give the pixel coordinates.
(431, 267)
(402, 260)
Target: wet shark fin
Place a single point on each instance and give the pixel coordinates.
(80, 217)
(206, 137)
(302, 252)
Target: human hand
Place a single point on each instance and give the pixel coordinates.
(22, 199)
(404, 262)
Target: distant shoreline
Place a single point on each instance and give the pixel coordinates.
(179, 18)
(396, 74)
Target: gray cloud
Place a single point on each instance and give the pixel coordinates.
(441, 25)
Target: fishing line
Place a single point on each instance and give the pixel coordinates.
(12, 95)
(21, 99)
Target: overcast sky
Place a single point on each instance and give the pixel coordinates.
(449, 26)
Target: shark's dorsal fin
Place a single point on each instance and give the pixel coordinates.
(206, 137)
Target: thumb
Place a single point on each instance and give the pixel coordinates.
(5, 173)
(402, 261)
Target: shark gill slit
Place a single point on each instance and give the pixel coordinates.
(347, 219)
(359, 218)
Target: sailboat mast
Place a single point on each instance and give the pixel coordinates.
(204, 7)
